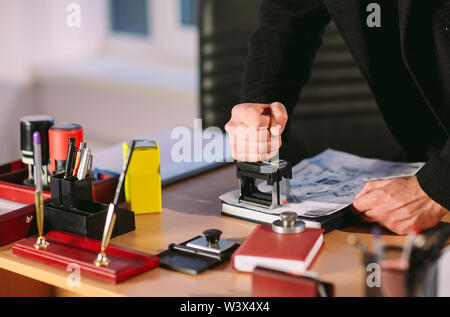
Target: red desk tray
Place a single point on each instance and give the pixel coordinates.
(66, 248)
(20, 223)
(16, 172)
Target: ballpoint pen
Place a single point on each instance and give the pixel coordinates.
(77, 160)
(70, 158)
(378, 243)
(85, 157)
(39, 201)
(101, 259)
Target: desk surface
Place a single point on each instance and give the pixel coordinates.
(190, 207)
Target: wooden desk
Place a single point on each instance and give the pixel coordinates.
(189, 207)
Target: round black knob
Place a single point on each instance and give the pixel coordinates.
(212, 235)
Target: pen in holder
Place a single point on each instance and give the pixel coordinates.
(72, 209)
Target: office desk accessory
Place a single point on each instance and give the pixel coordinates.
(62, 249)
(85, 164)
(29, 125)
(72, 209)
(272, 283)
(143, 180)
(198, 254)
(288, 223)
(41, 243)
(58, 136)
(427, 249)
(70, 159)
(111, 216)
(378, 243)
(19, 223)
(65, 249)
(277, 175)
(291, 251)
(15, 173)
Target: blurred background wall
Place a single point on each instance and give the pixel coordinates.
(136, 66)
(116, 80)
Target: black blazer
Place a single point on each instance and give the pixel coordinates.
(406, 63)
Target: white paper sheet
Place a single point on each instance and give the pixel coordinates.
(7, 206)
(329, 181)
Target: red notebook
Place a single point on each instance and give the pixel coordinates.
(291, 253)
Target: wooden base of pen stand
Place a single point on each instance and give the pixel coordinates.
(66, 249)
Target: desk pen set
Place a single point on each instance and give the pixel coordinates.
(72, 207)
(410, 270)
(77, 223)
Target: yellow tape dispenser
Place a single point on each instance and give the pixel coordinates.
(143, 179)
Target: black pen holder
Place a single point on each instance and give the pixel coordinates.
(72, 209)
(87, 220)
(70, 193)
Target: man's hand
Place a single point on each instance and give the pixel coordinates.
(255, 130)
(398, 204)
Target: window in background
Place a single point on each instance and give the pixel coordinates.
(130, 17)
(189, 12)
(153, 30)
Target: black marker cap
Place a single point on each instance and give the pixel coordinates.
(29, 125)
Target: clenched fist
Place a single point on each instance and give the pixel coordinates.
(255, 130)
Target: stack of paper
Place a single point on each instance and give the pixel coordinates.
(323, 184)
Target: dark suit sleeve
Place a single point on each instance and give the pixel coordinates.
(434, 177)
(282, 49)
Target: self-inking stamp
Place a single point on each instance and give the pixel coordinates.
(277, 174)
(58, 137)
(29, 125)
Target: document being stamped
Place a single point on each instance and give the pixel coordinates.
(329, 182)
